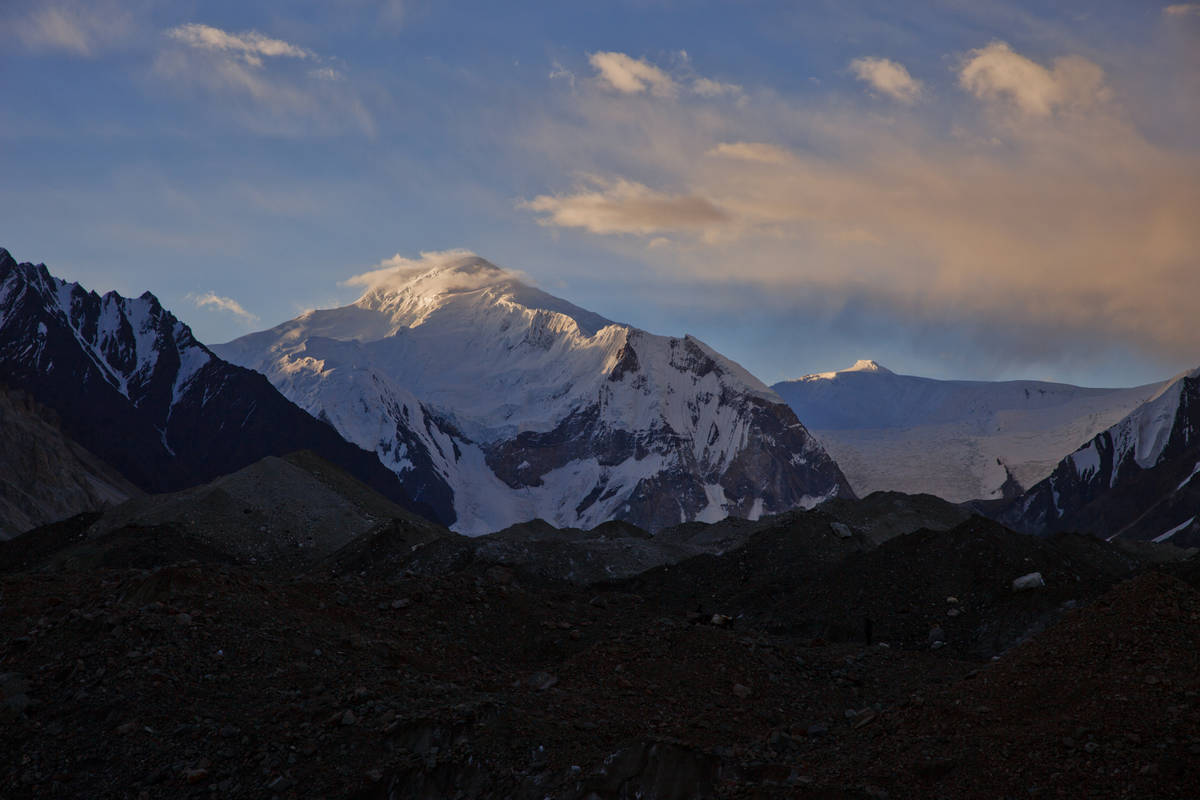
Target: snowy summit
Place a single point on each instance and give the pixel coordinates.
(498, 403)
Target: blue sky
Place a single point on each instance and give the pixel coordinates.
(956, 189)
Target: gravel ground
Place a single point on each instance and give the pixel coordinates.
(201, 679)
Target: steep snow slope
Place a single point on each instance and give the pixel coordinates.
(525, 406)
(131, 384)
(959, 440)
(1137, 480)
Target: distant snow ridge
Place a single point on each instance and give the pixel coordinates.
(505, 404)
(960, 440)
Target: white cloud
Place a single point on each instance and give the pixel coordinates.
(1182, 10)
(250, 45)
(888, 77)
(760, 152)
(399, 271)
(636, 76)
(79, 28)
(392, 13)
(706, 87)
(557, 71)
(998, 73)
(211, 299)
(326, 74)
(632, 75)
(402, 266)
(623, 206)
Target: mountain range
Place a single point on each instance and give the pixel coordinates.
(1133, 454)
(462, 393)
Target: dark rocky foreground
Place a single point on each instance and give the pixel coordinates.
(160, 668)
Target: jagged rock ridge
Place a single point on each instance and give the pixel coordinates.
(132, 385)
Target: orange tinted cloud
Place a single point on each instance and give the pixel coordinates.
(1059, 215)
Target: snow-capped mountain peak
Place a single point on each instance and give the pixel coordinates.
(410, 291)
(431, 279)
(469, 381)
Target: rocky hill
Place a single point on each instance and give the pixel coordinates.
(45, 475)
(283, 513)
(735, 675)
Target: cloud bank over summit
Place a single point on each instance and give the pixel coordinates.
(456, 270)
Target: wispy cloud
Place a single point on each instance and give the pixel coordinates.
(706, 87)
(760, 152)
(227, 304)
(629, 75)
(326, 74)
(625, 74)
(250, 45)
(623, 206)
(997, 73)
(393, 13)
(1182, 10)
(254, 68)
(79, 28)
(887, 77)
(559, 72)
(435, 269)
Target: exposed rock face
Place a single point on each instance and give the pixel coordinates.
(1140, 479)
(45, 475)
(499, 403)
(132, 385)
